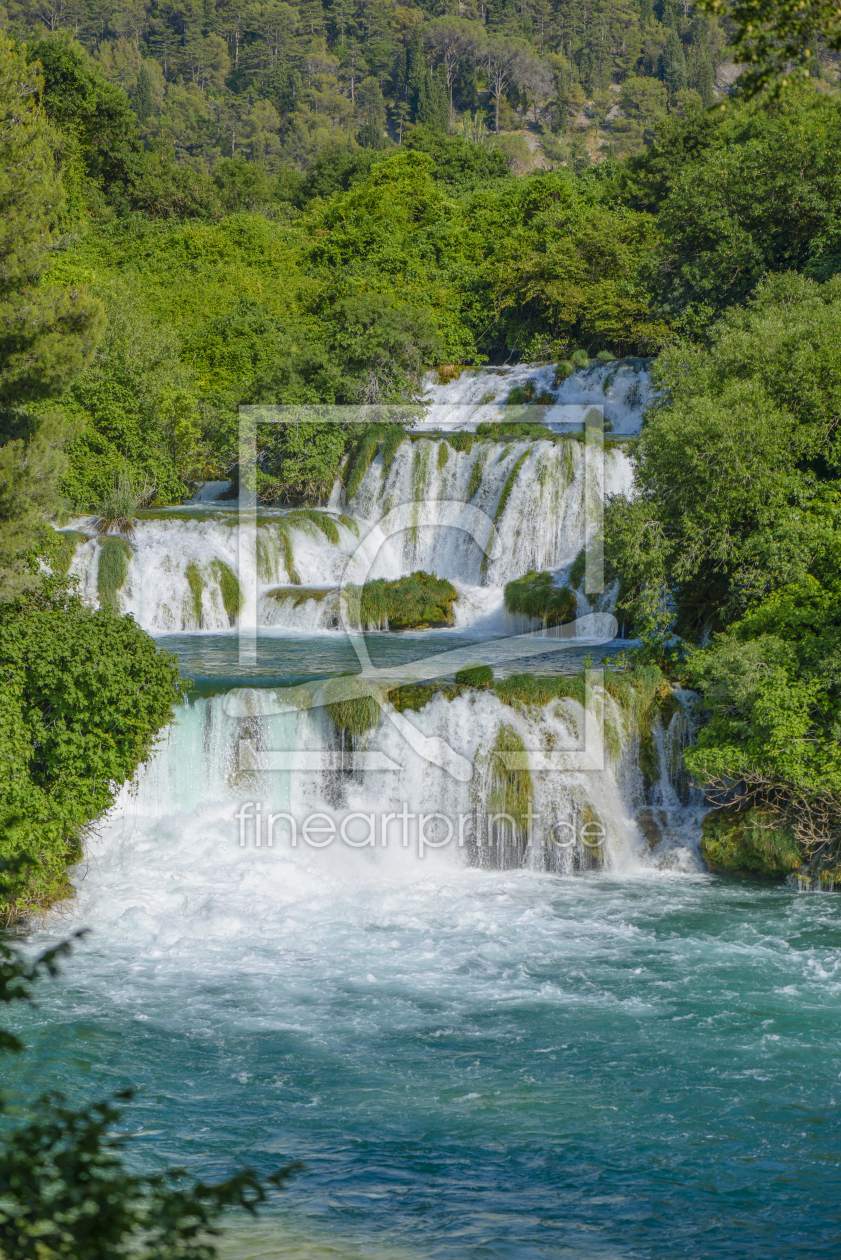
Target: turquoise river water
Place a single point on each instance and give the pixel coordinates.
(471, 1064)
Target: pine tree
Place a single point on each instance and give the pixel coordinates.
(47, 334)
(143, 95)
(673, 64)
(279, 88)
(433, 104)
(705, 74)
(416, 71)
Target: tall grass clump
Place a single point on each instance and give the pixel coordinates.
(511, 787)
(363, 452)
(233, 599)
(419, 601)
(114, 556)
(532, 689)
(354, 711)
(118, 510)
(195, 581)
(535, 595)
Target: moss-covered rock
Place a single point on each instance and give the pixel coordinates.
(747, 842)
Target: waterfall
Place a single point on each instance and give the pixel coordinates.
(185, 567)
(574, 784)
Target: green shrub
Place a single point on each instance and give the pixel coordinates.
(114, 556)
(577, 569)
(535, 595)
(84, 694)
(475, 676)
(443, 455)
(749, 842)
(419, 601)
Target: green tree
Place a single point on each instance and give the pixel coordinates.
(94, 117)
(673, 64)
(84, 694)
(47, 333)
(143, 104)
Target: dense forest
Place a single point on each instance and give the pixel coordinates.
(275, 83)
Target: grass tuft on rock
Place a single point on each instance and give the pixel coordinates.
(351, 712)
(195, 581)
(475, 676)
(420, 601)
(535, 595)
(531, 689)
(233, 600)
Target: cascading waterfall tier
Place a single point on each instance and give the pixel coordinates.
(468, 780)
(186, 570)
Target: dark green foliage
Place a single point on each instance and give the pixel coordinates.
(301, 460)
(577, 569)
(458, 163)
(739, 194)
(84, 694)
(114, 556)
(142, 101)
(475, 676)
(48, 333)
(416, 602)
(741, 841)
(336, 170)
(535, 595)
(92, 113)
